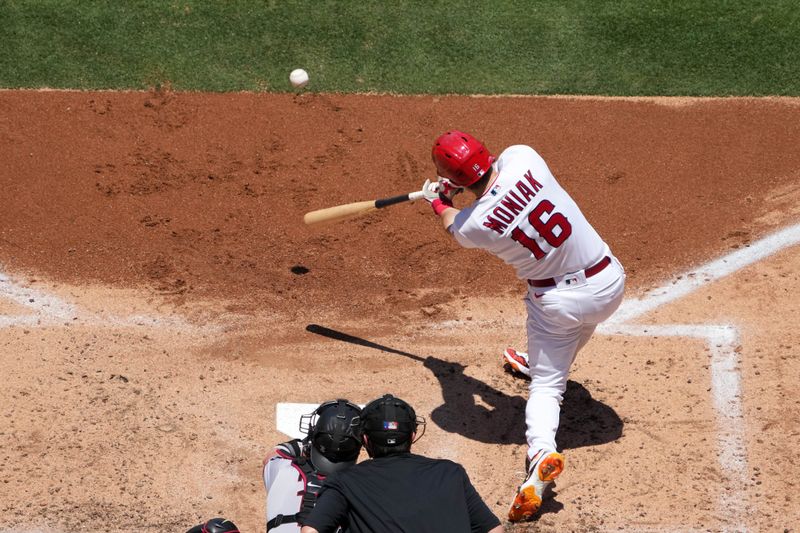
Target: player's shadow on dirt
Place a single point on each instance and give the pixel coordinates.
(500, 418)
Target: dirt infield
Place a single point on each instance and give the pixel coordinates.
(159, 295)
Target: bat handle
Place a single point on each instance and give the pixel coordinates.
(386, 202)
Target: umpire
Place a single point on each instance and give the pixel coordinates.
(397, 491)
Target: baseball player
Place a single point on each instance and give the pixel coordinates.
(294, 473)
(523, 216)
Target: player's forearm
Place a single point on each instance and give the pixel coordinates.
(449, 216)
(309, 529)
(498, 529)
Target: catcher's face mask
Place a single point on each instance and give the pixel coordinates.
(334, 435)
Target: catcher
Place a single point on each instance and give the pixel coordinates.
(294, 473)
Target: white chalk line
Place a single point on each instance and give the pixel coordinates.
(45, 305)
(722, 340)
(717, 269)
(49, 310)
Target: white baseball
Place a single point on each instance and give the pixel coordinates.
(298, 78)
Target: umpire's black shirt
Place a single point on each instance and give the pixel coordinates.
(401, 493)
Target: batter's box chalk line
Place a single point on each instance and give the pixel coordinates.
(46, 309)
(722, 341)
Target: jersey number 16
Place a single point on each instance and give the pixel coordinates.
(546, 229)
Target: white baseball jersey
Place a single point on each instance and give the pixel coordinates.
(527, 220)
(285, 487)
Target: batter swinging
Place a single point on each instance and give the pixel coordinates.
(522, 215)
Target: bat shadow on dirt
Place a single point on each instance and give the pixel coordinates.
(500, 417)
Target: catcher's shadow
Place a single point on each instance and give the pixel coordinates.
(499, 418)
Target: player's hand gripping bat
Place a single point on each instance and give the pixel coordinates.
(341, 212)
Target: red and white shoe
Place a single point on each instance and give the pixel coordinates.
(516, 362)
(545, 467)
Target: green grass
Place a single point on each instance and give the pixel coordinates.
(626, 47)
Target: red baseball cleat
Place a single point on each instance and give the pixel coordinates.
(516, 362)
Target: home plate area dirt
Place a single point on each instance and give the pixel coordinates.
(160, 294)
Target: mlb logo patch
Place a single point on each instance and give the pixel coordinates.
(389, 424)
(495, 190)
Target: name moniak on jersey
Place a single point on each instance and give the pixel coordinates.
(512, 203)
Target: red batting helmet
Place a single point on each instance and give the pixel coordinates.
(461, 158)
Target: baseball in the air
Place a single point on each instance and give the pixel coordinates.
(298, 78)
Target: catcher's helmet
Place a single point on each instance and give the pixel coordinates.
(334, 436)
(390, 422)
(461, 158)
(215, 525)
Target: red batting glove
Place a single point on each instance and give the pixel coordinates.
(440, 205)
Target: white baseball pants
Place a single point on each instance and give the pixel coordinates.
(561, 320)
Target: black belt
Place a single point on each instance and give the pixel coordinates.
(589, 272)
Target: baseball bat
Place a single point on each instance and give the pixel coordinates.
(341, 212)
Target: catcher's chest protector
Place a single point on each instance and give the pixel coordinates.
(311, 486)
